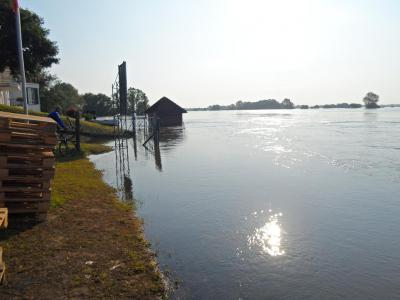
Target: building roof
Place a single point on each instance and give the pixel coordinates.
(164, 101)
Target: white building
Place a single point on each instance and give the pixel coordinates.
(11, 92)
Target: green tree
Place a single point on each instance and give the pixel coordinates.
(137, 101)
(39, 51)
(286, 103)
(239, 104)
(99, 103)
(371, 100)
(60, 94)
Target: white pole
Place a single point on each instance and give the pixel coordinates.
(21, 55)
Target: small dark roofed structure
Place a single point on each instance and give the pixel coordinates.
(169, 113)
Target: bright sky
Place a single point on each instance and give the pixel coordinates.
(205, 52)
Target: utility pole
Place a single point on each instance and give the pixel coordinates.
(20, 53)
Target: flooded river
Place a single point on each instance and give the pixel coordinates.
(271, 204)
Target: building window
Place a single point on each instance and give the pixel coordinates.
(32, 95)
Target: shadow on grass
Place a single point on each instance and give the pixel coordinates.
(94, 147)
(17, 225)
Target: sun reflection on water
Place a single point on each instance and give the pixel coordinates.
(269, 236)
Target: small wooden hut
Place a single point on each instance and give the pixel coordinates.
(168, 112)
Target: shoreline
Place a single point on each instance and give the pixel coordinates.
(91, 246)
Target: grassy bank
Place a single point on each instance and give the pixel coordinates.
(92, 246)
(87, 128)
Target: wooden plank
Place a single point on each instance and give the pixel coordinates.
(28, 155)
(24, 146)
(25, 166)
(48, 162)
(2, 272)
(3, 173)
(24, 196)
(11, 137)
(14, 207)
(23, 129)
(38, 128)
(31, 154)
(23, 181)
(23, 117)
(9, 183)
(44, 174)
(27, 210)
(41, 174)
(10, 201)
(28, 162)
(3, 217)
(32, 135)
(23, 189)
(22, 178)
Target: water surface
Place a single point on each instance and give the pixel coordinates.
(272, 204)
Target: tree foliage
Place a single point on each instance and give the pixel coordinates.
(371, 100)
(286, 103)
(39, 51)
(60, 94)
(137, 101)
(99, 103)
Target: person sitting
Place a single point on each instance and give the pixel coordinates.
(55, 115)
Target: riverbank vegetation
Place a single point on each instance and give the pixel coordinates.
(91, 246)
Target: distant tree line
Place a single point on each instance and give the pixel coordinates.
(262, 104)
(339, 105)
(272, 104)
(370, 101)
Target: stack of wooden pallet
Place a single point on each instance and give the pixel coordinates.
(26, 163)
(3, 224)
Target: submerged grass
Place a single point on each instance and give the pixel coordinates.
(92, 246)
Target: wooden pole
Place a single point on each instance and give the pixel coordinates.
(78, 131)
(20, 54)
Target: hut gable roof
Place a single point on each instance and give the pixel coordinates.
(164, 101)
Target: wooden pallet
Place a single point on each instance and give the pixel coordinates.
(19, 137)
(26, 163)
(34, 123)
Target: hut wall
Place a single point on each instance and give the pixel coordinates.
(168, 120)
(171, 120)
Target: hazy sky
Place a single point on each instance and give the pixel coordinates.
(221, 51)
